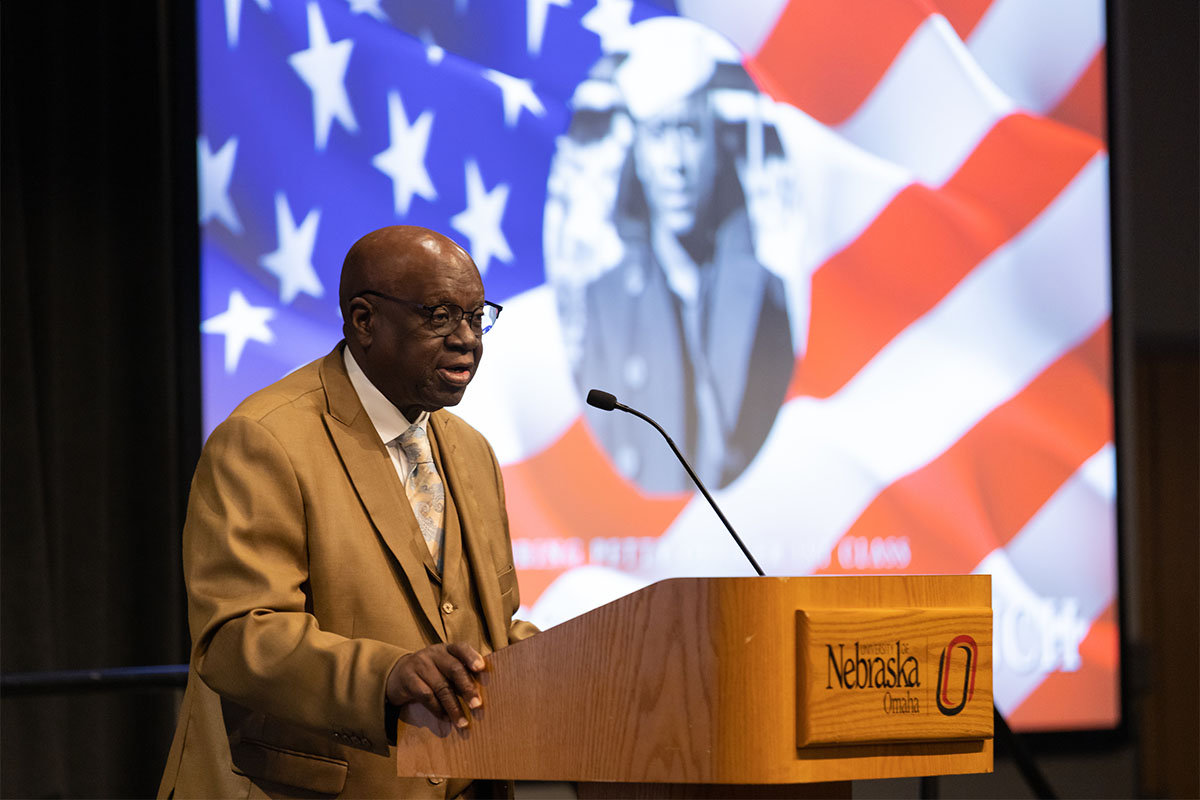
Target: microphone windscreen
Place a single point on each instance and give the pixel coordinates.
(601, 400)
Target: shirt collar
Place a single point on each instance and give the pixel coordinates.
(387, 419)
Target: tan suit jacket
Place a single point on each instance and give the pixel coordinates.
(307, 580)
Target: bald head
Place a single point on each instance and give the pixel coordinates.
(387, 259)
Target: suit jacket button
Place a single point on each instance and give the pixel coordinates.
(447, 607)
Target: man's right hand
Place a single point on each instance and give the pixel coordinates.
(437, 677)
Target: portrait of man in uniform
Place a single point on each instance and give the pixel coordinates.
(664, 299)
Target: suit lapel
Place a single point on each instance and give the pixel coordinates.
(457, 476)
(374, 478)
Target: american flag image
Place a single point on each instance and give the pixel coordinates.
(927, 180)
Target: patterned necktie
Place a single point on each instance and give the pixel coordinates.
(424, 488)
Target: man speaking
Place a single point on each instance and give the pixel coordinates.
(346, 549)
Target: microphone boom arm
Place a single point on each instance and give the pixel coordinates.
(691, 474)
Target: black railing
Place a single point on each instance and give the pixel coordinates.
(69, 681)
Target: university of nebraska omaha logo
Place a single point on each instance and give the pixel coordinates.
(971, 651)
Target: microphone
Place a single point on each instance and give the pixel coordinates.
(607, 402)
(603, 400)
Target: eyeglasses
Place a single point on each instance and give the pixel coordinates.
(445, 318)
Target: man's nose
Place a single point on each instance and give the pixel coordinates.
(671, 155)
(463, 336)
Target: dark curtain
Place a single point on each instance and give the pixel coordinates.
(99, 419)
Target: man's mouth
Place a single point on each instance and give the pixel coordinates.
(457, 375)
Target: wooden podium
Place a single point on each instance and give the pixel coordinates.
(735, 687)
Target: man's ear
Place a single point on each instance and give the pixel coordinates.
(360, 322)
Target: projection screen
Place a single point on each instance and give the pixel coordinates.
(852, 254)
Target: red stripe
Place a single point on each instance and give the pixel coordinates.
(572, 489)
(927, 240)
(1083, 107)
(984, 489)
(825, 58)
(963, 15)
(1085, 699)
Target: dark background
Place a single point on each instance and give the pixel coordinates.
(99, 408)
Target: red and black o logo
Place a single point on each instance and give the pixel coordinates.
(971, 650)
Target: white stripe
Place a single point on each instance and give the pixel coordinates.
(578, 591)
(523, 397)
(842, 187)
(747, 25)
(1051, 582)
(826, 460)
(837, 191)
(930, 108)
(1036, 50)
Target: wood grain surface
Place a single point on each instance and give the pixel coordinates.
(690, 680)
(894, 674)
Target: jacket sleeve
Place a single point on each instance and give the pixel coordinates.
(255, 640)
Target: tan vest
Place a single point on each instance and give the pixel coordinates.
(462, 616)
(458, 602)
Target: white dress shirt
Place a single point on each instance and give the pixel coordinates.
(388, 421)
